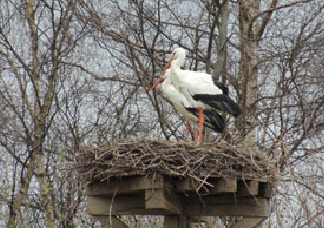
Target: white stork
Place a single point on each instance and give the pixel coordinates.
(212, 119)
(199, 89)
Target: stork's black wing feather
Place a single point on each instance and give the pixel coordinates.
(220, 102)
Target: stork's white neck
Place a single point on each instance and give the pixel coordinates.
(167, 76)
(174, 72)
(181, 57)
(175, 64)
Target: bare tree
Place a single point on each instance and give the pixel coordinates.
(79, 72)
(34, 37)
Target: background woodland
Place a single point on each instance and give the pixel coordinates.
(78, 72)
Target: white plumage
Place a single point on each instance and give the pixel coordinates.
(178, 100)
(185, 108)
(192, 81)
(199, 89)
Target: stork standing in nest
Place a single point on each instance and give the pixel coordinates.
(212, 119)
(199, 89)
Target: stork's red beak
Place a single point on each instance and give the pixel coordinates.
(163, 72)
(157, 83)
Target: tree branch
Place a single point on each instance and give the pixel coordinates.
(97, 77)
(265, 19)
(270, 10)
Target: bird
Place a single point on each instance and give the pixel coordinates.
(200, 89)
(213, 120)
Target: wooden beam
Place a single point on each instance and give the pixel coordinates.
(110, 221)
(230, 199)
(236, 207)
(221, 185)
(119, 205)
(133, 204)
(248, 223)
(124, 185)
(248, 188)
(226, 185)
(158, 199)
(230, 210)
(193, 206)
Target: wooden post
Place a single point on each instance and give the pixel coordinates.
(176, 221)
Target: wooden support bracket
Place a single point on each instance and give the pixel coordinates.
(248, 188)
(158, 199)
(265, 190)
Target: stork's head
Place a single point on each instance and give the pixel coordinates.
(178, 54)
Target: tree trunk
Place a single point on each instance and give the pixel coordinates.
(46, 192)
(221, 16)
(14, 210)
(248, 71)
(222, 26)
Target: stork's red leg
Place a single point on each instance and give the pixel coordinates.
(187, 129)
(201, 123)
(195, 131)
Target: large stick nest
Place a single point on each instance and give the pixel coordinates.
(178, 159)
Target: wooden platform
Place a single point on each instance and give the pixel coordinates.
(163, 195)
(178, 180)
